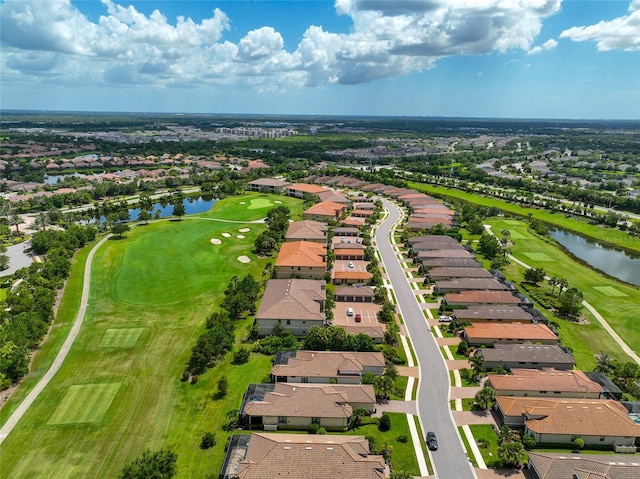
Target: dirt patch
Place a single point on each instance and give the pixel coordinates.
(244, 259)
(216, 241)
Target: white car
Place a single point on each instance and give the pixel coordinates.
(351, 264)
(445, 319)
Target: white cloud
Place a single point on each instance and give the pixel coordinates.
(388, 38)
(622, 33)
(548, 45)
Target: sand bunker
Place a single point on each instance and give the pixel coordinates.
(243, 202)
(241, 236)
(244, 259)
(215, 241)
(278, 202)
(226, 235)
(244, 230)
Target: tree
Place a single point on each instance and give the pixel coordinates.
(570, 303)
(534, 275)
(505, 235)
(562, 285)
(384, 386)
(144, 215)
(384, 423)
(42, 220)
(463, 348)
(396, 474)
(160, 464)
(241, 356)
(512, 454)
(489, 246)
(478, 365)
(485, 398)
(178, 209)
(578, 443)
(385, 315)
(553, 281)
(119, 229)
(223, 386)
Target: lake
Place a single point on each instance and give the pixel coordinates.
(615, 263)
(192, 206)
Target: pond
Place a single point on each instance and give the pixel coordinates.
(192, 206)
(615, 263)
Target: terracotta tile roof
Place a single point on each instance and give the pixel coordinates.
(589, 466)
(302, 253)
(311, 400)
(298, 456)
(431, 238)
(293, 299)
(360, 275)
(366, 291)
(529, 352)
(323, 364)
(352, 221)
(470, 284)
(509, 331)
(544, 380)
(325, 208)
(334, 196)
(307, 188)
(448, 253)
(579, 417)
(307, 229)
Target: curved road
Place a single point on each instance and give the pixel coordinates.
(450, 460)
(62, 354)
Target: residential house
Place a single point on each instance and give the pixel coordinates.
(307, 230)
(491, 333)
(363, 294)
(599, 422)
(335, 197)
(490, 312)
(356, 254)
(546, 382)
(301, 259)
(527, 355)
(297, 406)
(297, 304)
(268, 185)
(299, 190)
(464, 298)
(446, 272)
(468, 284)
(325, 211)
(345, 231)
(444, 253)
(297, 456)
(544, 465)
(351, 276)
(322, 366)
(361, 213)
(432, 239)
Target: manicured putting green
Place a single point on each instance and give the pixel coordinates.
(609, 291)
(85, 403)
(258, 203)
(120, 337)
(537, 257)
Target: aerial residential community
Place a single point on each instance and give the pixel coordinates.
(321, 239)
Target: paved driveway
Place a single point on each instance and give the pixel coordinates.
(17, 258)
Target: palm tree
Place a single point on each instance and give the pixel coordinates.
(41, 221)
(562, 284)
(477, 364)
(485, 397)
(506, 234)
(553, 281)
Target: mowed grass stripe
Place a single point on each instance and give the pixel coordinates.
(120, 337)
(538, 257)
(84, 403)
(610, 291)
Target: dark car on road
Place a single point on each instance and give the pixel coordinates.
(432, 442)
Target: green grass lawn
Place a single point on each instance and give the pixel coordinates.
(151, 292)
(601, 234)
(487, 441)
(619, 310)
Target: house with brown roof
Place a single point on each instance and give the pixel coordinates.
(335, 197)
(432, 239)
(345, 367)
(491, 312)
(348, 275)
(352, 221)
(297, 304)
(464, 298)
(601, 422)
(297, 406)
(307, 230)
(457, 285)
(544, 465)
(355, 254)
(345, 231)
(545, 382)
(301, 456)
(451, 262)
(267, 185)
(445, 272)
(444, 253)
(324, 211)
(301, 259)
(299, 190)
(364, 294)
(361, 213)
(491, 333)
(527, 355)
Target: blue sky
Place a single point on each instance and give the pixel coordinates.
(472, 58)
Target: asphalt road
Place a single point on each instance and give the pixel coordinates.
(450, 460)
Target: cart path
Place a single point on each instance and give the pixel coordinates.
(62, 354)
(607, 327)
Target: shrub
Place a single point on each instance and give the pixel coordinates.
(313, 429)
(463, 348)
(384, 424)
(241, 356)
(208, 441)
(322, 431)
(402, 439)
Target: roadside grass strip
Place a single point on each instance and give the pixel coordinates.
(84, 403)
(258, 203)
(610, 291)
(120, 337)
(540, 257)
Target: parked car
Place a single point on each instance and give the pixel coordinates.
(432, 442)
(445, 319)
(349, 311)
(358, 318)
